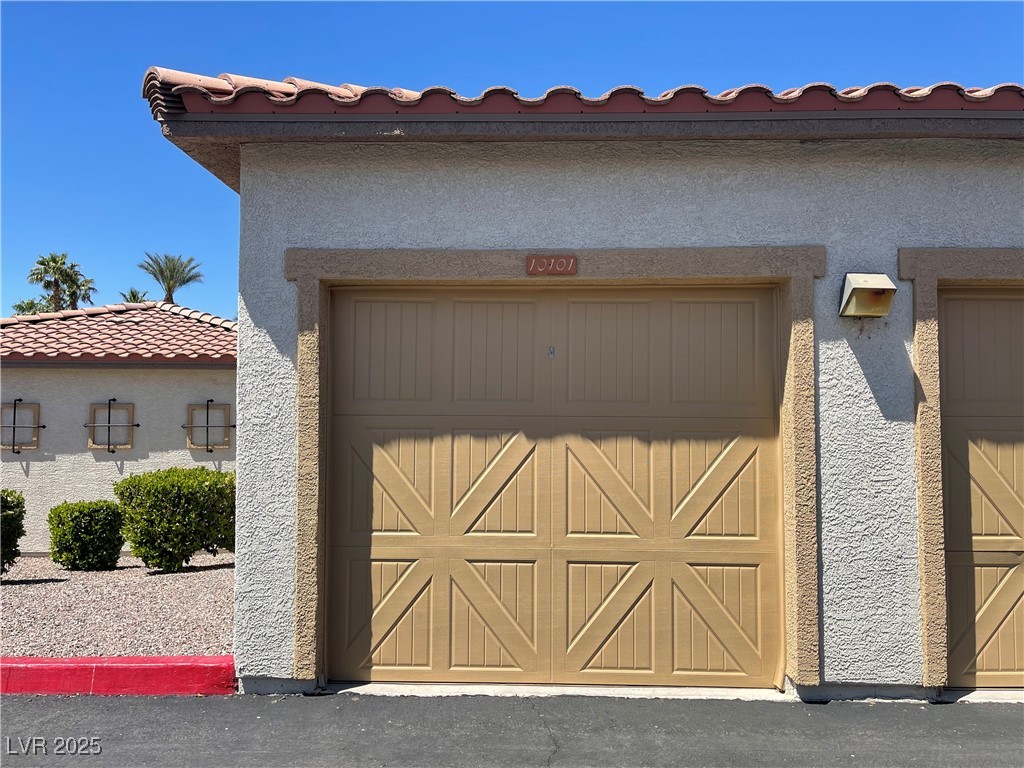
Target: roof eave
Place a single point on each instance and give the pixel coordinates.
(213, 140)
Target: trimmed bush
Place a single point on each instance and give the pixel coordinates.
(12, 526)
(171, 514)
(223, 529)
(86, 535)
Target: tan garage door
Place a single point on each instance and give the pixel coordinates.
(981, 336)
(554, 486)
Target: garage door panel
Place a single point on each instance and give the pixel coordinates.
(986, 609)
(608, 351)
(724, 482)
(606, 354)
(600, 495)
(399, 506)
(387, 478)
(495, 352)
(715, 480)
(605, 612)
(424, 613)
(720, 353)
(646, 618)
(497, 482)
(724, 599)
(696, 647)
(494, 612)
(439, 484)
(629, 453)
(494, 477)
(982, 371)
(604, 481)
(983, 462)
(386, 623)
(496, 622)
(389, 345)
(723, 610)
(415, 352)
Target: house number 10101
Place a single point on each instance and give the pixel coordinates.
(551, 265)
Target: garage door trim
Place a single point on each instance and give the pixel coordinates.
(792, 269)
(930, 268)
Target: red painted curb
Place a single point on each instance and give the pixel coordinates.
(119, 675)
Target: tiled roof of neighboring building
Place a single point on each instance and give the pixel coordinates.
(147, 332)
(170, 91)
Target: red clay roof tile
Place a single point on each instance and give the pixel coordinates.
(170, 92)
(146, 331)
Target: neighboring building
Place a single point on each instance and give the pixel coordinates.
(671, 462)
(153, 365)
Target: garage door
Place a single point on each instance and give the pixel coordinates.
(981, 336)
(554, 486)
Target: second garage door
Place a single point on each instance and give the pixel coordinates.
(981, 335)
(554, 486)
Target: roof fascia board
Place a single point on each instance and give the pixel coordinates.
(214, 142)
(957, 125)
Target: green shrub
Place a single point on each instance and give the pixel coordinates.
(12, 526)
(86, 535)
(223, 531)
(171, 514)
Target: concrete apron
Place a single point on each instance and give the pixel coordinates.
(824, 693)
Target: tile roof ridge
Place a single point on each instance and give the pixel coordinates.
(64, 314)
(195, 314)
(165, 89)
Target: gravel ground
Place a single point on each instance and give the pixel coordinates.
(49, 611)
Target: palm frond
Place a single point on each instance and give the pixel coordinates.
(134, 296)
(64, 282)
(171, 272)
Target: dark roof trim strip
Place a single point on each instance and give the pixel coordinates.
(171, 92)
(161, 361)
(198, 363)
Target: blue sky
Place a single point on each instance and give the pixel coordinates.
(85, 169)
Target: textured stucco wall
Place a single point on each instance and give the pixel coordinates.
(862, 200)
(63, 468)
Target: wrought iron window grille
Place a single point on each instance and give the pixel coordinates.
(109, 424)
(14, 426)
(206, 427)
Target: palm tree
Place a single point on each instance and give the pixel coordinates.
(51, 272)
(63, 281)
(80, 289)
(33, 306)
(134, 296)
(171, 272)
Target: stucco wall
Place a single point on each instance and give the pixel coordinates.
(63, 468)
(862, 200)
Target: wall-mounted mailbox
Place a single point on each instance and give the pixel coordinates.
(867, 295)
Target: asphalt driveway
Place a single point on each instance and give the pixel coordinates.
(359, 730)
